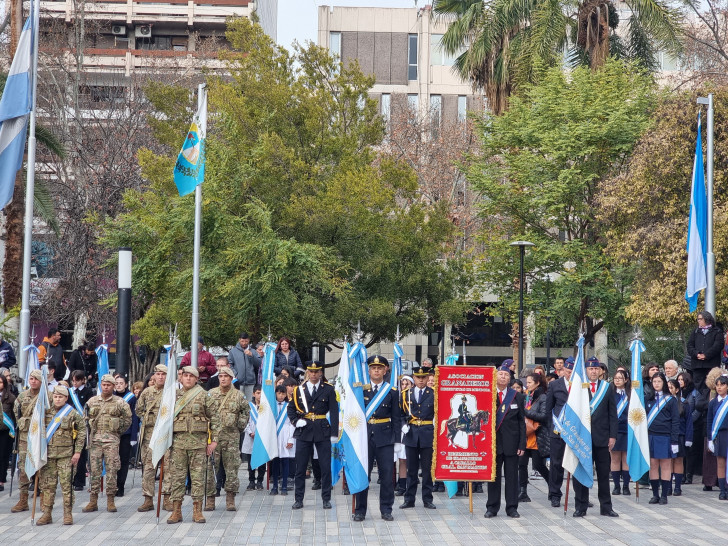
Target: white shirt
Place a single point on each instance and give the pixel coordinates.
(310, 387)
(377, 385)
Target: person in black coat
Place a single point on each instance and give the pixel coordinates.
(534, 404)
(383, 430)
(621, 391)
(510, 443)
(307, 412)
(704, 347)
(604, 426)
(663, 432)
(84, 358)
(83, 392)
(556, 397)
(418, 408)
(131, 434)
(718, 431)
(697, 403)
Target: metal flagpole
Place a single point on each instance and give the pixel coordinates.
(710, 265)
(202, 108)
(29, 192)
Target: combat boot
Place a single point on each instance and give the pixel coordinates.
(92, 505)
(46, 518)
(176, 515)
(210, 504)
(197, 516)
(230, 502)
(22, 504)
(147, 506)
(110, 505)
(67, 514)
(167, 504)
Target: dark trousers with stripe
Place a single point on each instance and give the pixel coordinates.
(419, 458)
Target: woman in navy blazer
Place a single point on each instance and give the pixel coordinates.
(621, 391)
(718, 438)
(663, 429)
(686, 434)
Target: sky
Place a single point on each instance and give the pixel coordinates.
(298, 19)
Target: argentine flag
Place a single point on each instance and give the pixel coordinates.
(697, 230)
(102, 367)
(161, 439)
(638, 448)
(37, 455)
(576, 421)
(32, 362)
(189, 171)
(351, 451)
(396, 366)
(265, 443)
(358, 358)
(15, 106)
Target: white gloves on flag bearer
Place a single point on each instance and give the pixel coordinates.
(301, 423)
(711, 446)
(405, 429)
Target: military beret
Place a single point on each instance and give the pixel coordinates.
(37, 374)
(108, 378)
(60, 389)
(190, 369)
(593, 362)
(226, 370)
(569, 363)
(377, 360)
(160, 368)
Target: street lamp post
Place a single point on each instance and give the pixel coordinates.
(521, 282)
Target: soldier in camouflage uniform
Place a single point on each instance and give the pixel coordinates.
(147, 409)
(108, 417)
(234, 413)
(196, 420)
(23, 408)
(66, 438)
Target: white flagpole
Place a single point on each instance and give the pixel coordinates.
(201, 101)
(29, 191)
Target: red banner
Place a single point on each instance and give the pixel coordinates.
(464, 423)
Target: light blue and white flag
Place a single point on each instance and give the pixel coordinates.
(576, 424)
(450, 486)
(697, 230)
(396, 366)
(189, 171)
(37, 455)
(161, 439)
(265, 443)
(32, 364)
(638, 448)
(15, 106)
(358, 357)
(102, 366)
(452, 360)
(351, 452)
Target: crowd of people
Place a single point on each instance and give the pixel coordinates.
(94, 438)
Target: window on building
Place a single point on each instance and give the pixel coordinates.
(462, 108)
(386, 107)
(155, 43)
(413, 102)
(412, 57)
(667, 61)
(438, 56)
(435, 114)
(335, 43)
(102, 94)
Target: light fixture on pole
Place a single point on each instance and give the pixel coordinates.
(521, 282)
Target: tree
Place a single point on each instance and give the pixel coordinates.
(646, 211)
(505, 40)
(305, 230)
(539, 172)
(705, 56)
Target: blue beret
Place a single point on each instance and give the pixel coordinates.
(569, 363)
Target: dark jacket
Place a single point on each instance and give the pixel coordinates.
(389, 433)
(81, 361)
(418, 435)
(7, 355)
(510, 435)
(667, 422)
(556, 397)
(7, 398)
(712, 412)
(293, 361)
(604, 419)
(133, 429)
(710, 344)
(324, 402)
(47, 351)
(539, 414)
(622, 420)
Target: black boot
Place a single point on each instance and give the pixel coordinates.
(616, 476)
(401, 486)
(688, 479)
(625, 482)
(523, 494)
(462, 490)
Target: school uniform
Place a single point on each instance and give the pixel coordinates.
(247, 449)
(663, 426)
(280, 465)
(718, 432)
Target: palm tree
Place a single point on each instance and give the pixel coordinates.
(505, 41)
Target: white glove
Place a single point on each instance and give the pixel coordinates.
(711, 446)
(334, 439)
(405, 429)
(301, 423)
(398, 447)
(688, 444)
(674, 449)
(134, 443)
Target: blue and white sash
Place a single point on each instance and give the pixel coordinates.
(281, 419)
(377, 400)
(56, 422)
(719, 418)
(657, 408)
(76, 402)
(622, 405)
(128, 397)
(558, 427)
(598, 396)
(253, 413)
(8, 422)
(504, 407)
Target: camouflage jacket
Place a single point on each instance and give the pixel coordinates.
(107, 419)
(196, 416)
(147, 409)
(70, 436)
(23, 409)
(234, 411)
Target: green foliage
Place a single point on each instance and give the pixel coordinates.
(305, 229)
(539, 173)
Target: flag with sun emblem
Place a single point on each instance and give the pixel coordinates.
(37, 455)
(352, 450)
(189, 170)
(161, 439)
(638, 448)
(265, 443)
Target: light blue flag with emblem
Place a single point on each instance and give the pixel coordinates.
(32, 362)
(15, 107)
(102, 366)
(161, 439)
(396, 366)
(351, 452)
(452, 359)
(265, 443)
(189, 171)
(576, 422)
(37, 455)
(697, 230)
(358, 357)
(638, 449)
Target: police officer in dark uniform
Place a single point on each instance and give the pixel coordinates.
(307, 411)
(418, 409)
(383, 428)
(556, 397)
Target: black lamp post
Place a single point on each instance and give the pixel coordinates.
(521, 282)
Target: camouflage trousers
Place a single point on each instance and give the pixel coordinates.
(104, 456)
(23, 479)
(149, 472)
(227, 453)
(54, 471)
(184, 460)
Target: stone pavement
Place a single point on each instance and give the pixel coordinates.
(262, 519)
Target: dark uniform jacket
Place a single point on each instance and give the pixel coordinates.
(556, 397)
(667, 422)
(324, 402)
(385, 433)
(510, 435)
(604, 422)
(419, 435)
